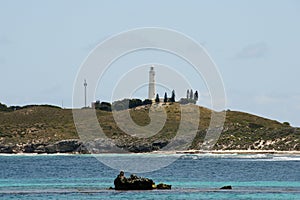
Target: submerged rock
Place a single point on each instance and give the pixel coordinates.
(137, 183)
(227, 187)
(163, 186)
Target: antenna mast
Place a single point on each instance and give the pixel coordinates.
(85, 85)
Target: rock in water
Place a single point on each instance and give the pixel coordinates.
(227, 187)
(137, 183)
(162, 186)
(133, 183)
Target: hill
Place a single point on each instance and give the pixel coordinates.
(43, 129)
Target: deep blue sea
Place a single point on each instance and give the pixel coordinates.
(191, 177)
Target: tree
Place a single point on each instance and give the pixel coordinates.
(183, 101)
(120, 104)
(133, 103)
(173, 96)
(106, 106)
(147, 102)
(157, 98)
(125, 104)
(196, 96)
(286, 123)
(191, 94)
(188, 94)
(118, 107)
(165, 98)
(3, 107)
(186, 101)
(97, 104)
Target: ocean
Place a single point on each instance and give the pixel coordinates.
(197, 176)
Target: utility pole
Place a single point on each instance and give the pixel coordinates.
(85, 85)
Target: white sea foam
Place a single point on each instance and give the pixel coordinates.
(285, 158)
(256, 157)
(250, 157)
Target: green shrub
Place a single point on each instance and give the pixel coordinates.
(187, 101)
(286, 123)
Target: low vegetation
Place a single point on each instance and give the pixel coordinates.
(49, 124)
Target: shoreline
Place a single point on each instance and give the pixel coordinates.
(192, 152)
(238, 152)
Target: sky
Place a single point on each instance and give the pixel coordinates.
(254, 44)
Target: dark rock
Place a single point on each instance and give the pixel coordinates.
(143, 148)
(28, 148)
(40, 149)
(6, 149)
(50, 148)
(64, 146)
(227, 187)
(83, 150)
(159, 144)
(100, 146)
(133, 183)
(162, 186)
(138, 148)
(137, 183)
(67, 146)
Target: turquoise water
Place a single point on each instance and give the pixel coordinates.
(191, 176)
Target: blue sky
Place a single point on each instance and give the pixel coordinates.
(255, 45)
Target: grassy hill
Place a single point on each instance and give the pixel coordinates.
(47, 125)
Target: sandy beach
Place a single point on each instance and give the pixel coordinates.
(238, 152)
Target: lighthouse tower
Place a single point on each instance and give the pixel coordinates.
(151, 91)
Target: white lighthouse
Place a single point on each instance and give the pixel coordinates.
(151, 91)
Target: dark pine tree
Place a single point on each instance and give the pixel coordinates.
(188, 94)
(165, 98)
(173, 96)
(157, 98)
(196, 96)
(191, 94)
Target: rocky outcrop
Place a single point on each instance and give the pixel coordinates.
(227, 187)
(133, 183)
(100, 146)
(29, 148)
(64, 146)
(6, 149)
(77, 146)
(137, 183)
(140, 147)
(163, 186)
